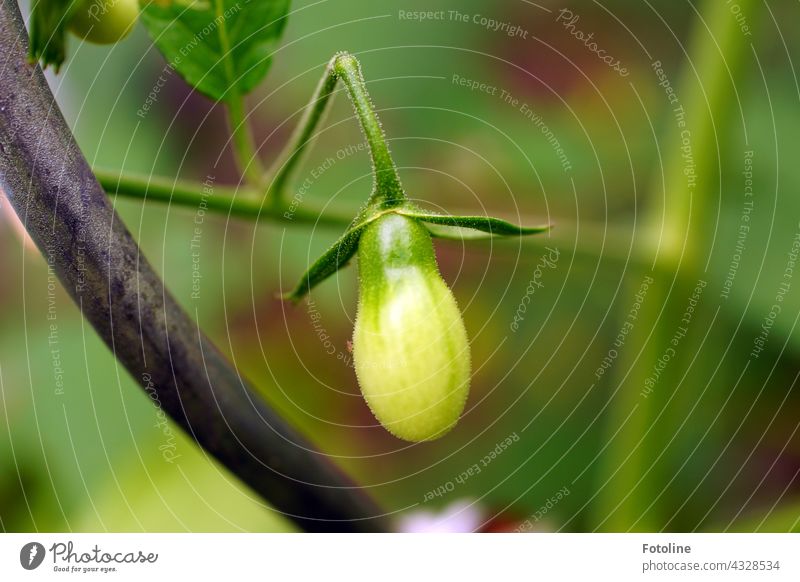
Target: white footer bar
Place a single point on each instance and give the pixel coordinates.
(401, 557)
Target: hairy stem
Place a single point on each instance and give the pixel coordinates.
(239, 202)
(388, 191)
(613, 240)
(285, 169)
(345, 67)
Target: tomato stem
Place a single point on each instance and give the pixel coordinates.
(387, 191)
(238, 202)
(244, 148)
(242, 202)
(285, 169)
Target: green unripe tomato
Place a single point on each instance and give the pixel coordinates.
(104, 21)
(410, 346)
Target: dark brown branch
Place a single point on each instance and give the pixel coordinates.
(52, 188)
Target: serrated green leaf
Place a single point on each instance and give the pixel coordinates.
(329, 263)
(48, 35)
(222, 48)
(470, 227)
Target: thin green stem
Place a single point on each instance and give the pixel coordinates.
(285, 169)
(244, 148)
(388, 191)
(239, 202)
(243, 143)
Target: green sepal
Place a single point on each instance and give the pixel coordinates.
(470, 227)
(330, 262)
(48, 38)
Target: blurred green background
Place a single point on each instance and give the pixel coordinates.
(713, 447)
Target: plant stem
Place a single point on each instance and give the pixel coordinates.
(239, 202)
(387, 190)
(244, 149)
(614, 240)
(243, 143)
(288, 162)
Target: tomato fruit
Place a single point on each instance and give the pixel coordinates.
(104, 21)
(410, 347)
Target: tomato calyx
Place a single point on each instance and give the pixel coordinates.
(439, 226)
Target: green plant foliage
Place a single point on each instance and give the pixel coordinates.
(49, 19)
(223, 48)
